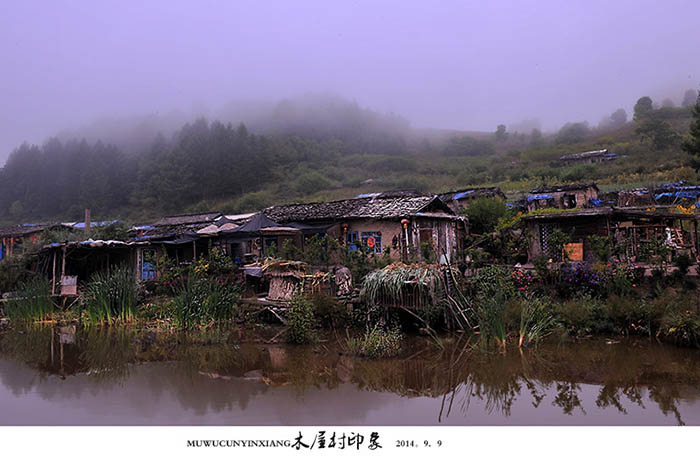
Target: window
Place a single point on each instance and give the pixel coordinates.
(148, 266)
(373, 241)
(351, 240)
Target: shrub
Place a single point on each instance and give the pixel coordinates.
(620, 279)
(578, 316)
(494, 280)
(376, 343)
(329, 311)
(682, 327)
(619, 313)
(579, 279)
(301, 326)
(14, 270)
(683, 262)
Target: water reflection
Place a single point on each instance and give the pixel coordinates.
(71, 375)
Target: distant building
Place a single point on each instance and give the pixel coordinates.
(563, 197)
(592, 156)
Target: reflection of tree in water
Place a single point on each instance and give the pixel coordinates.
(666, 395)
(611, 393)
(567, 397)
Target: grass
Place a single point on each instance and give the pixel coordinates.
(536, 321)
(492, 323)
(376, 343)
(202, 301)
(111, 297)
(33, 303)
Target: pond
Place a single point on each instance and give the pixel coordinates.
(110, 376)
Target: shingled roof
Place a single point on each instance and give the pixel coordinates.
(26, 229)
(188, 219)
(358, 208)
(562, 188)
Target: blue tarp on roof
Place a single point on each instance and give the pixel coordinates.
(688, 194)
(680, 194)
(462, 194)
(95, 224)
(659, 196)
(595, 202)
(539, 196)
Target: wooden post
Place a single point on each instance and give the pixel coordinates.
(63, 261)
(53, 275)
(194, 250)
(87, 220)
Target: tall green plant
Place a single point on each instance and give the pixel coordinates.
(33, 302)
(301, 327)
(201, 301)
(536, 320)
(111, 297)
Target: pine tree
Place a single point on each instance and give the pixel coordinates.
(691, 144)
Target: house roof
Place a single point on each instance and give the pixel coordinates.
(563, 188)
(570, 213)
(472, 193)
(589, 154)
(21, 230)
(658, 212)
(188, 219)
(358, 208)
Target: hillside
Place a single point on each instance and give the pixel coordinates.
(314, 152)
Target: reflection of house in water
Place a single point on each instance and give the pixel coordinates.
(563, 197)
(633, 232)
(460, 200)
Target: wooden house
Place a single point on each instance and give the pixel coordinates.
(632, 232)
(570, 196)
(409, 226)
(18, 239)
(592, 156)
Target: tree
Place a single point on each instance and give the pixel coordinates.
(643, 108)
(658, 132)
(667, 103)
(572, 132)
(618, 118)
(536, 138)
(501, 132)
(484, 214)
(689, 98)
(691, 144)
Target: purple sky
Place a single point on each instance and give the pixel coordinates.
(455, 64)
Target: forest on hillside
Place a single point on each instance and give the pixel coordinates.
(323, 150)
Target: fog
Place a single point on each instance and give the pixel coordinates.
(449, 64)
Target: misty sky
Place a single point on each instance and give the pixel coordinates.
(462, 65)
